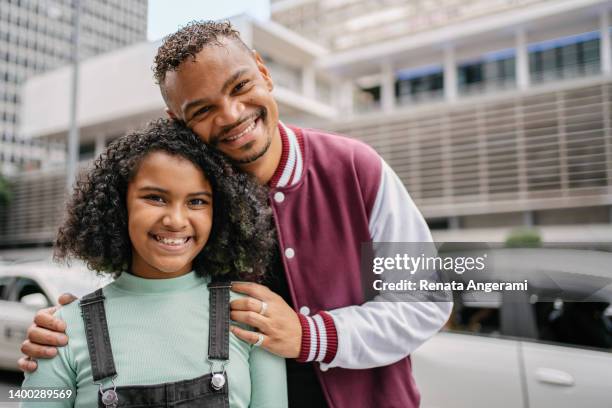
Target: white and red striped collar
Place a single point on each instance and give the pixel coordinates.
(291, 166)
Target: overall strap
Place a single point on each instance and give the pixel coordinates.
(98, 340)
(219, 317)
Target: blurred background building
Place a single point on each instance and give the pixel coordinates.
(494, 113)
(36, 36)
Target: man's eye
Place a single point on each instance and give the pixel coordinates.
(201, 111)
(240, 86)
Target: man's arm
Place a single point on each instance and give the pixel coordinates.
(382, 332)
(44, 335)
(374, 334)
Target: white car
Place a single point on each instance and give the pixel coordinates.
(29, 286)
(549, 347)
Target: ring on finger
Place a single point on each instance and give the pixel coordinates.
(260, 339)
(264, 308)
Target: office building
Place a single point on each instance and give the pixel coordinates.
(37, 36)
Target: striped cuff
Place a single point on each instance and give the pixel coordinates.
(319, 338)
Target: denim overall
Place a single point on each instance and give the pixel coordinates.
(210, 390)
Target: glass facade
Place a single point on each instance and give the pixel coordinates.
(565, 58)
(492, 72)
(419, 85)
(558, 59)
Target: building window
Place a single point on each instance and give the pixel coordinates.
(367, 98)
(419, 85)
(565, 58)
(87, 151)
(491, 72)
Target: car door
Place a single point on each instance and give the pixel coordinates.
(6, 311)
(16, 317)
(570, 364)
(471, 364)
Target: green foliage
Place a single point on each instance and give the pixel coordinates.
(5, 192)
(524, 238)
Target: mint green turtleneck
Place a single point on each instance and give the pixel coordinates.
(159, 333)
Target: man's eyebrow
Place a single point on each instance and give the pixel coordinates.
(161, 190)
(226, 84)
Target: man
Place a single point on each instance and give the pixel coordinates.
(328, 194)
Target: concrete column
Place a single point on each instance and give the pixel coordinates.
(528, 219)
(454, 223)
(450, 74)
(604, 43)
(309, 82)
(522, 59)
(100, 144)
(387, 87)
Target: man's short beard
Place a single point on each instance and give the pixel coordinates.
(254, 156)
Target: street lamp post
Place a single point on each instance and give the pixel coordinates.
(73, 133)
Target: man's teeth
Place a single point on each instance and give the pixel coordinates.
(244, 132)
(172, 241)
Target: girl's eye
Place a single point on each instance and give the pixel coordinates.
(154, 198)
(197, 202)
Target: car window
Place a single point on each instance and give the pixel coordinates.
(24, 287)
(476, 313)
(583, 324)
(4, 283)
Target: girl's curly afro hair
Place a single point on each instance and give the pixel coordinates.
(95, 228)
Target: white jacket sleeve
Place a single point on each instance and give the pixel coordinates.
(380, 332)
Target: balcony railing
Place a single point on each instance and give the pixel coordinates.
(421, 96)
(566, 72)
(488, 86)
(516, 152)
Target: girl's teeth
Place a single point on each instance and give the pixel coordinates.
(172, 241)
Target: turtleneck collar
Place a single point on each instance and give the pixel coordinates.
(132, 283)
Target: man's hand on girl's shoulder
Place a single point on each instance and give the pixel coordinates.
(47, 330)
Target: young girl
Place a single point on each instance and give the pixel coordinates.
(144, 213)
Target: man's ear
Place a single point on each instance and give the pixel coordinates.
(265, 73)
(173, 117)
(170, 114)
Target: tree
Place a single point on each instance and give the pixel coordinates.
(5, 192)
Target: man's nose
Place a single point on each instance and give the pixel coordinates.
(230, 113)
